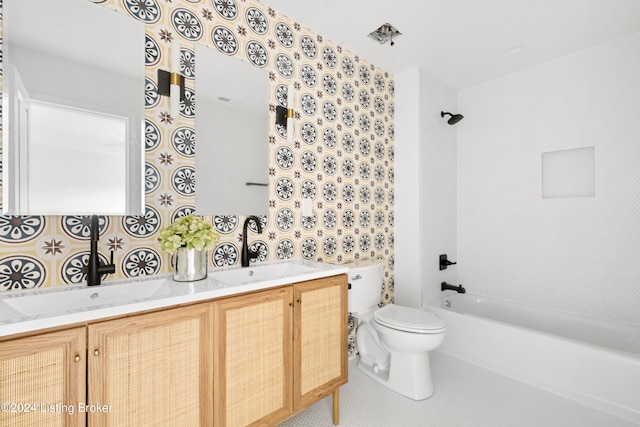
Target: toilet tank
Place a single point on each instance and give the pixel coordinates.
(365, 284)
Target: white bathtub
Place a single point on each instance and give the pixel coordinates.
(592, 361)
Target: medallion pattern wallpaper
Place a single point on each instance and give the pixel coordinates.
(341, 157)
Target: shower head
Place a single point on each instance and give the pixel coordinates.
(455, 118)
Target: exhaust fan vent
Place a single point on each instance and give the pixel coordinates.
(385, 33)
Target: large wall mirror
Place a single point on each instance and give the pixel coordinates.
(73, 109)
(232, 113)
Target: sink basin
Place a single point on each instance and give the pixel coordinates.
(62, 305)
(86, 298)
(7, 313)
(262, 273)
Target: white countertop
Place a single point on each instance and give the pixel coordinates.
(32, 310)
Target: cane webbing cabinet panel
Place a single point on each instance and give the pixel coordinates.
(42, 378)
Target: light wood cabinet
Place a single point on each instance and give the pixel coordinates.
(152, 369)
(320, 339)
(247, 360)
(253, 364)
(42, 379)
(279, 351)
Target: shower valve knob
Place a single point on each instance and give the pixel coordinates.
(444, 262)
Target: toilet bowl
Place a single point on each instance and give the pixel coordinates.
(393, 341)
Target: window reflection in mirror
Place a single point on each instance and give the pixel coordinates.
(48, 124)
(232, 131)
(73, 109)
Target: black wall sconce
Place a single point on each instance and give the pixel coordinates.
(284, 116)
(171, 83)
(165, 80)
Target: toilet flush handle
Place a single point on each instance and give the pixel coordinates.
(356, 277)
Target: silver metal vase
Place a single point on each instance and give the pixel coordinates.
(189, 265)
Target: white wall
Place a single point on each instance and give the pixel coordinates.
(425, 187)
(582, 254)
(439, 184)
(408, 221)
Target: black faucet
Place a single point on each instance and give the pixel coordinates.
(94, 267)
(459, 289)
(247, 255)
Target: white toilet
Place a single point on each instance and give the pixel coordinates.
(394, 341)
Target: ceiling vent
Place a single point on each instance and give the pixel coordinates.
(385, 33)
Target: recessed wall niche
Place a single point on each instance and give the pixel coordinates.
(569, 173)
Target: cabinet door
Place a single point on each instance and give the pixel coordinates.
(42, 379)
(252, 367)
(320, 338)
(152, 369)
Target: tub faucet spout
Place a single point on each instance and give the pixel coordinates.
(446, 286)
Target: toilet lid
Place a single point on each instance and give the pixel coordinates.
(408, 319)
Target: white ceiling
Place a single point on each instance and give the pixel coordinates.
(466, 42)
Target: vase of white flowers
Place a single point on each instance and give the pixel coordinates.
(188, 240)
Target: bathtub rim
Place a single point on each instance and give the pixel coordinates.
(440, 306)
(610, 391)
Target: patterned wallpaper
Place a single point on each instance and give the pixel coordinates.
(341, 157)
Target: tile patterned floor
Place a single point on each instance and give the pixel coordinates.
(466, 396)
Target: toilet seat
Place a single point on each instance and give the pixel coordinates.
(409, 319)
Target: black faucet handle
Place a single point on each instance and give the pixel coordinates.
(107, 268)
(444, 262)
(111, 266)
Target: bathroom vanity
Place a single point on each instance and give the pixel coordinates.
(248, 346)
